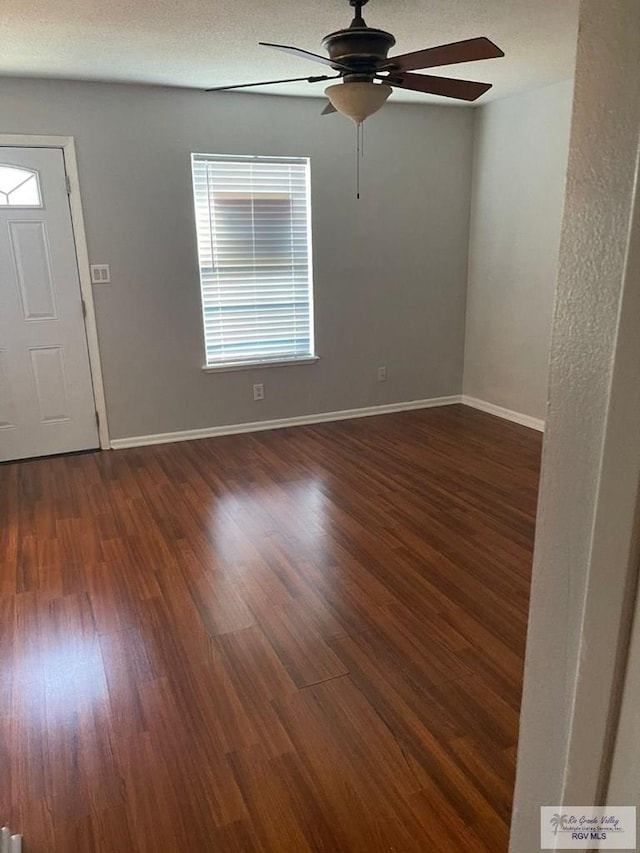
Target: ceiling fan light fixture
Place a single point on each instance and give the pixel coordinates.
(358, 100)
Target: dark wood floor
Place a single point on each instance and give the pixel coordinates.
(303, 640)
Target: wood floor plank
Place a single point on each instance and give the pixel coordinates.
(149, 796)
(206, 792)
(365, 791)
(257, 672)
(308, 639)
(285, 810)
(303, 652)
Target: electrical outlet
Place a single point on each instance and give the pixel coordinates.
(258, 391)
(100, 274)
(382, 374)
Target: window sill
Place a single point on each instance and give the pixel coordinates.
(253, 365)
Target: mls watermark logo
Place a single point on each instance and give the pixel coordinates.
(591, 827)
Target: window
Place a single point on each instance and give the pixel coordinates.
(19, 187)
(253, 225)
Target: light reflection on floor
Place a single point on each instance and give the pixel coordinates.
(58, 674)
(296, 513)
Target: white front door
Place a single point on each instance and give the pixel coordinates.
(46, 395)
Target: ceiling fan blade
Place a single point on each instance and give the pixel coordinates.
(305, 54)
(316, 79)
(464, 90)
(445, 54)
(328, 109)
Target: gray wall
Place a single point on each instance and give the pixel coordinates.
(520, 163)
(390, 270)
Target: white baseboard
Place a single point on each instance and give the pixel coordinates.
(507, 414)
(258, 426)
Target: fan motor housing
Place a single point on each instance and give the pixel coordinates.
(358, 47)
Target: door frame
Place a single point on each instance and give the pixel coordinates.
(585, 572)
(68, 148)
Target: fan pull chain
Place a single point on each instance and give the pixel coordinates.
(359, 153)
(358, 127)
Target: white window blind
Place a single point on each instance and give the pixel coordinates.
(254, 245)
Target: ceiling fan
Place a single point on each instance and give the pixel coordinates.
(368, 75)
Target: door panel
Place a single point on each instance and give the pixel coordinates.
(47, 368)
(7, 408)
(46, 395)
(32, 263)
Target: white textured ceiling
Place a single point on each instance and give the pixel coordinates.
(201, 43)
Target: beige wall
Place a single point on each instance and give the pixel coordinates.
(390, 270)
(520, 162)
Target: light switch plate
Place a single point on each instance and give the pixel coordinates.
(100, 274)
